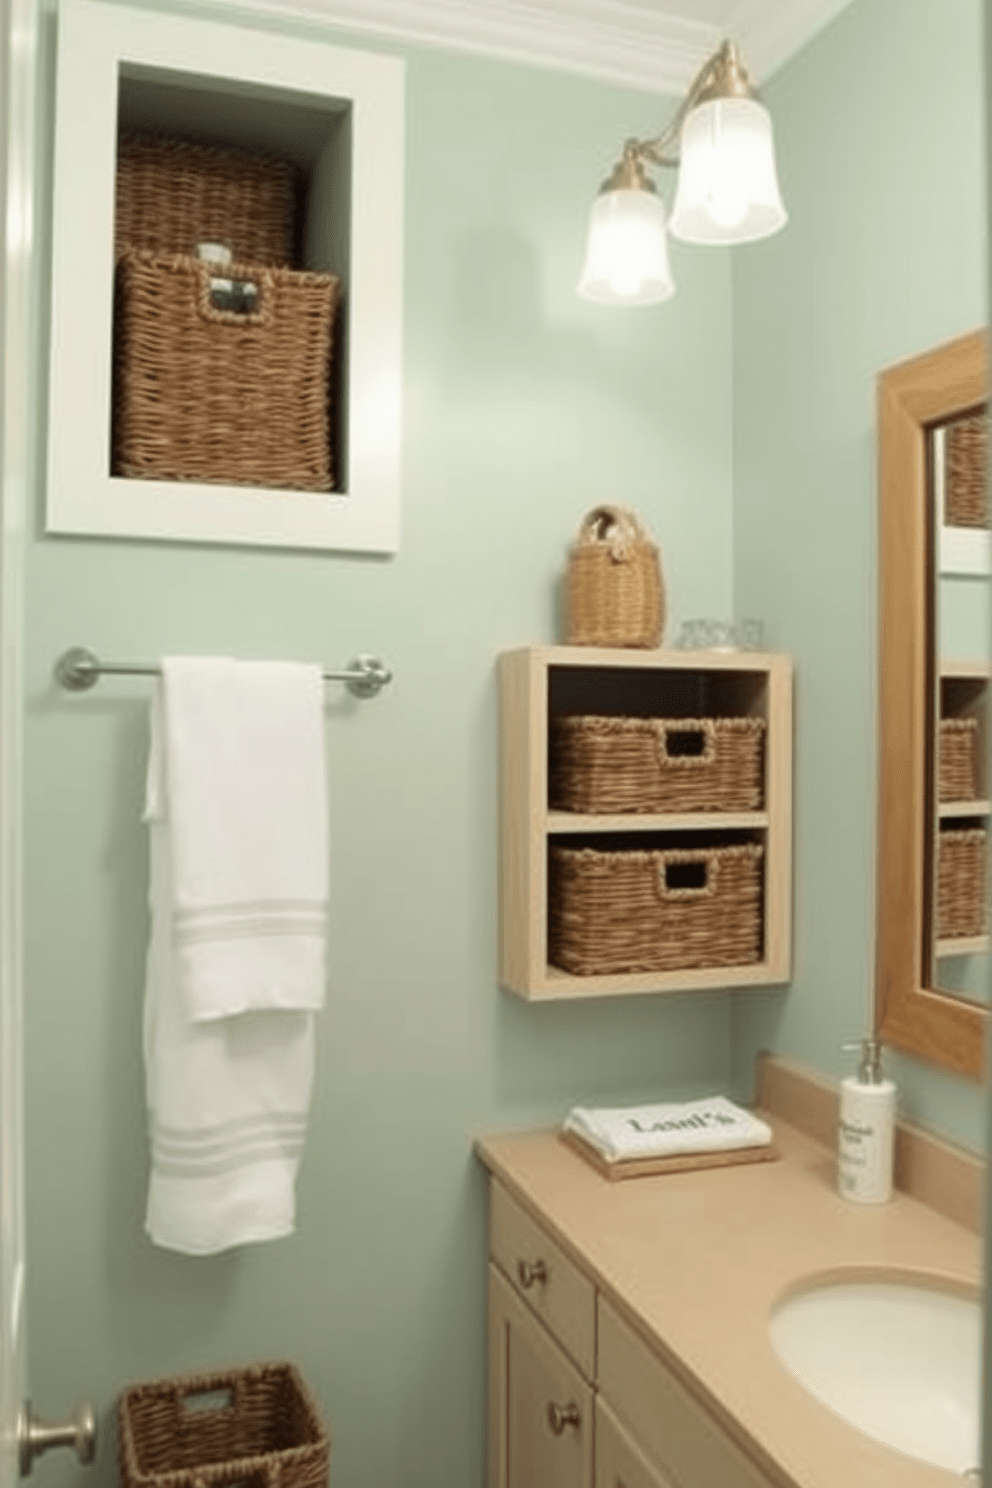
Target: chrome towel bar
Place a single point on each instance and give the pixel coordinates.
(79, 669)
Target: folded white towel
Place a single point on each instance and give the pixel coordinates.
(711, 1125)
(228, 1094)
(243, 769)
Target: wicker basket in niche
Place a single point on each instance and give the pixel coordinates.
(208, 394)
(965, 495)
(254, 1425)
(654, 910)
(957, 775)
(173, 194)
(614, 594)
(961, 908)
(616, 764)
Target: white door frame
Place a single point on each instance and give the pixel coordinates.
(18, 101)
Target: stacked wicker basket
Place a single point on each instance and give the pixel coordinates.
(965, 498)
(219, 375)
(961, 907)
(961, 851)
(660, 908)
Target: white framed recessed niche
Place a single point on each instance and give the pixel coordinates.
(340, 114)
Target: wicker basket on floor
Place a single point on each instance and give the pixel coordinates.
(961, 909)
(207, 394)
(965, 496)
(654, 910)
(172, 194)
(615, 764)
(957, 778)
(255, 1425)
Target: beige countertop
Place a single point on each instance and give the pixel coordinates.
(697, 1260)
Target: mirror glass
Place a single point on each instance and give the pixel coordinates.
(958, 947)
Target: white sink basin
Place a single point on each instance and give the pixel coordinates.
(898, 1359)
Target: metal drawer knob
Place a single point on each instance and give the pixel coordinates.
(560, 1416)
(529, 1274)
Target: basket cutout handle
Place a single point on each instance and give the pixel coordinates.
(203, 1402)
(615, 528)
(241, 297)
(691, 874)
(685, 743)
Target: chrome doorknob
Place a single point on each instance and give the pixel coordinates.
(35, 1436)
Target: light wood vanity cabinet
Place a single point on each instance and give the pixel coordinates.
(577, 1399)
(539, 684)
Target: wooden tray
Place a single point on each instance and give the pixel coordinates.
(680, 1162)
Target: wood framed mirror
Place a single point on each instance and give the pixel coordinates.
(931, 967)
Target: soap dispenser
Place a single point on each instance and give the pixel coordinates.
(866, 1130)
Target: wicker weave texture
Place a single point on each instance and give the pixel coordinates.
(961, 909)
(203, 394)
(265, 1430)
(616, 764)
(172, 195)
(612, 912)
(614, 593)
(957, 776)
(965, 495)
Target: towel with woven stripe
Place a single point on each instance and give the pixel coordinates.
(236, 807)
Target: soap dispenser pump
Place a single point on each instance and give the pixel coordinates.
(866, 1129)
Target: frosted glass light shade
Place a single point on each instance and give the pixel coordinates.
(626, 259)
(728, 186)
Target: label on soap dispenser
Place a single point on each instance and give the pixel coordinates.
(865, 1141)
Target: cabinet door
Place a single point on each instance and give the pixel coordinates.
(675, 1430)
(620, 1463)
(540, 1407)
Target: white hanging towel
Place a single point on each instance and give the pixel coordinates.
(236, 805)
(714, 1124)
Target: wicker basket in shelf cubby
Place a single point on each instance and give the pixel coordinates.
(654, 910)
(255, 1426)
(965, 498)
(215, 395)
(958, 771)
(613, 764)
(222, 374)
(174, 193)
(961, 910)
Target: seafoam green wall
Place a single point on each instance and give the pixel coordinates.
(523, 408)
(880, 133)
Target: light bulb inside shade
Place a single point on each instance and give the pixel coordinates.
(728, 186)
(626, 259)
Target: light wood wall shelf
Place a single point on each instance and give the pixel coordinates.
(538, 682)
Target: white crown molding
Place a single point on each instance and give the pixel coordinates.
(628, 42)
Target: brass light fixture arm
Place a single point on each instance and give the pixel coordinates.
(723, 75)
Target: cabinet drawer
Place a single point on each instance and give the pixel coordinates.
(620, 1463)
(675, 1432)
(544, 1277)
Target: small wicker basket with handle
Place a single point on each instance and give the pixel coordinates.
(615, 595)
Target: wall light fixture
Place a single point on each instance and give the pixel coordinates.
(720, 140)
